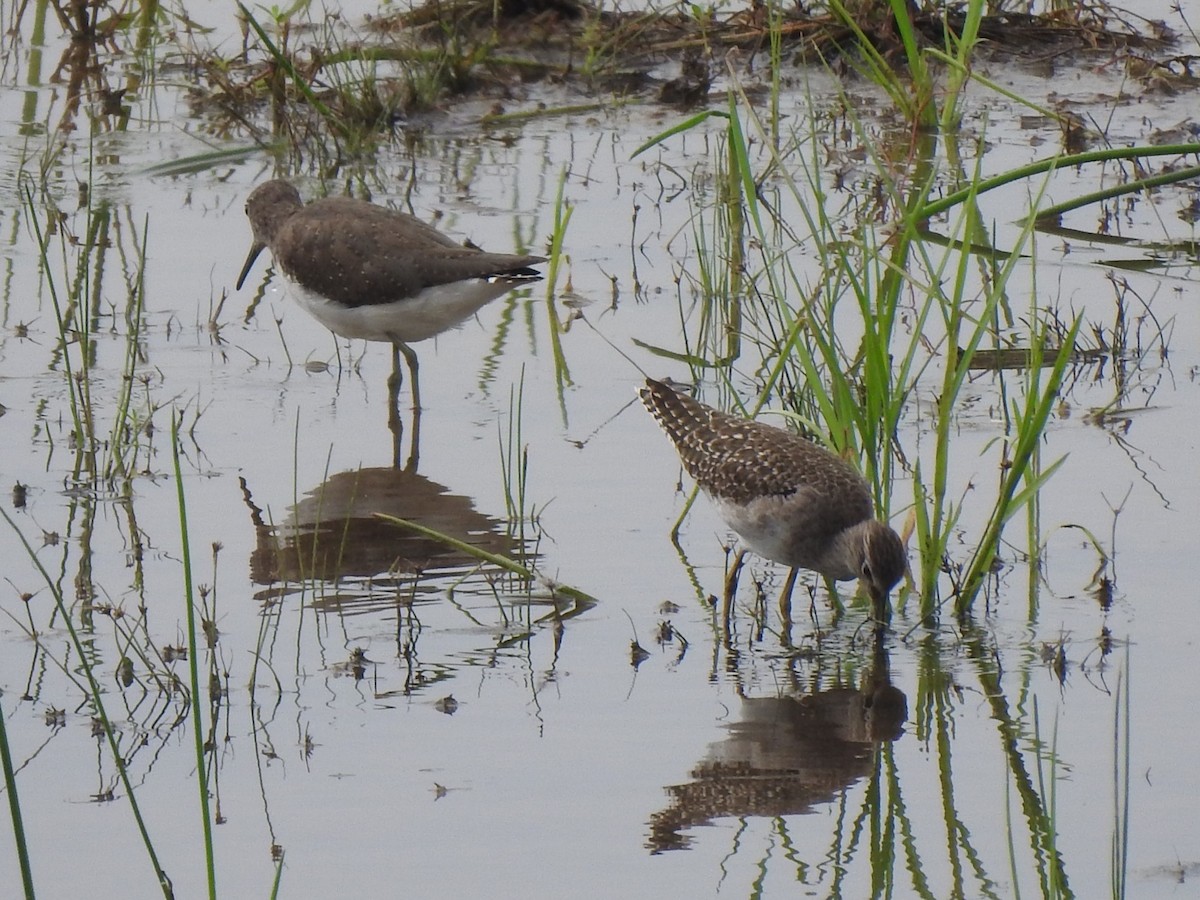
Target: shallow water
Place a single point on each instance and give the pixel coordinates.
(739, 763)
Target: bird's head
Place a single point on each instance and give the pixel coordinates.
(268, 207)
(884, 562)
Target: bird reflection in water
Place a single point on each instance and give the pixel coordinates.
(334, 535)
(787, 755)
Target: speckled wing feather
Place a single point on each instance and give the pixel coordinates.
(740, 460)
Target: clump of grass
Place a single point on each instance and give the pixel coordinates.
(514, 467)
(361, 104)
(563, 210)
(75, 273)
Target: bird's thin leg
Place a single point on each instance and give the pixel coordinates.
(410, 356)
(396, 427)
(731, 579)
(395, 381)
(397, 440)
(785, 600)
(395, 422)
(731, 582)
(414, 443)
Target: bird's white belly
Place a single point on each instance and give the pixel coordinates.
(788, 532)
(429, 313)
(761, 525)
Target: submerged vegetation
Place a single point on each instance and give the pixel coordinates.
(838, 265)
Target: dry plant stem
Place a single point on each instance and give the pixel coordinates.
(285, 63)
(527, 115)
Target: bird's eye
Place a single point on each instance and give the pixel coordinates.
(866, 571)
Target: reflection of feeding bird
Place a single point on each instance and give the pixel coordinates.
(790, 500)
(365, 271)
(781, 756)
(786, 755)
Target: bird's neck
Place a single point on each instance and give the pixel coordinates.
(847, 551)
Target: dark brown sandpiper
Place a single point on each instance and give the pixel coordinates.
(789, 499)
(365, 271)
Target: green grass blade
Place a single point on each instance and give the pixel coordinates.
(14, 809)
(685, 125)
(193, 663)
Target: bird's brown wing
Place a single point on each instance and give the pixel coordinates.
(739, 459)
(355, 253)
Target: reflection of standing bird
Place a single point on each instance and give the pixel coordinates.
(790, 500)
(334, 532)
(365, 271)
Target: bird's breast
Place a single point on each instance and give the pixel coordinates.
(794, 530)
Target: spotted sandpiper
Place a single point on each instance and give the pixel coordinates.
(366, 271)
(789, 499)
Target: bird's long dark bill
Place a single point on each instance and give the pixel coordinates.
(254, 251)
